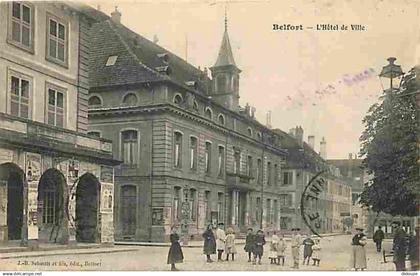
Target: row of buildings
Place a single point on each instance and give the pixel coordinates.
(107, 136)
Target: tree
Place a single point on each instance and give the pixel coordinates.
(389, 145)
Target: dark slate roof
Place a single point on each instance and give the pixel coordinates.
(139, 60)
(225, 56)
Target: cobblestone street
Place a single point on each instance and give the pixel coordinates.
(335, 256)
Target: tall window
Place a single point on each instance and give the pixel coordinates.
(258, 210)
(221, 81)
(193, 204)
(178, 150)
(276, 212)
(208, 113)
(207, 157)
(130, 150)
(237, 161)
(176, 207)
(193, 153)
(19, 96)
(206, 206)
(269, 173)
(259, 170)
(55, 107)
(249, 166)
(286, 200)
(276, 174)
(22, 25)
(287, 178)
(221, 119)
(57, 40)
(220, 211)
(221, 161)
(268, 213)
(50, 210)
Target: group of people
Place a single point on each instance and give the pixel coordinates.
(216, 240)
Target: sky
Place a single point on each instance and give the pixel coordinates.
(324, 81)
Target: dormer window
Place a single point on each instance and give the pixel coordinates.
(250, 134)
(94, 101)
(178, 99)
(130, 99)
(209, 113)
(111, 60)
(164, 57)
(221, 119)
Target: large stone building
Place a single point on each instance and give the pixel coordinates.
(333, 203)
(56, 182)
(191, 155)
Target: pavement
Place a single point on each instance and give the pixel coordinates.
(335, 255)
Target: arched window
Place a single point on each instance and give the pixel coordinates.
(250, 132)
(178, 99)
(130, 99)
(221, 119)
(209, 113)
(94, 101)
(129, 147)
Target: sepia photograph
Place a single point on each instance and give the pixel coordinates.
(209, 135)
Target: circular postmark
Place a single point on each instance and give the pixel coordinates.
(311, 216)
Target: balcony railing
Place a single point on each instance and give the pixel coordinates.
(239, 180)
(32, 128)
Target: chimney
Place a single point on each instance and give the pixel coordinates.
(350, 156)
(268, 122)
(311, 141)
(299, 135)
(116, 16)
(350, 166)
(323, 148)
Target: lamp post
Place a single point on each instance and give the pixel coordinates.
(391, 71)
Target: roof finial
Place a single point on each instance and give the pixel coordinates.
(226, 20)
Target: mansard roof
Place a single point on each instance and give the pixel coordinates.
(139, 60)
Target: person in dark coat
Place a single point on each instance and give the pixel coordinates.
(399, 246)
(413, 250)
(258, 250)
(209, 243)
(249, 243)
(378, 237)
(307, 249)
(175, 254)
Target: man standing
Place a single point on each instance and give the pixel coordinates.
(296, 243)
(220, 241)
(378, 237)
(399, 246)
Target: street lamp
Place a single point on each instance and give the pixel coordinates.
(390, 72)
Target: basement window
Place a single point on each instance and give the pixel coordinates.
(111, 60)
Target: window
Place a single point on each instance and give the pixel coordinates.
(193, 204)
(235, 83)
(276, 211)
(57, 41)
(269, 173)
(221, 161)
(209, 113)
(249, 166)
(258, 210)
(95, 134)
(94, 101)
(259, 135)
(249, 132)
(276, 175)
(176, 207)
(220, 211)
(130, 99)
(111, 60)
(268, 214)
(207, 157)
(19, 96)
(206, 205)
(193, 153)
(130, 149)
(221, 83)
(178, 150)
(178, 99)
(195, 106)
(237, 162)
(287, 178)
(21, 30)
(50, 211)
(259, 170)
(235, 207)
(55, 109)
(221, 119)
(286, 200)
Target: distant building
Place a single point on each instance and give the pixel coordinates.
(56, 183)
(191, 155)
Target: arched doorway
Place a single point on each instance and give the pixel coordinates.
(128, 210)
(52, 207)
(12, 178)
(87, 208)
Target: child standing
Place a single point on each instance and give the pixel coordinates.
(273, 248)
(281, 248)
(259, 242)
(307, 249)
(316, 255)
(230, 244)
(249, 243)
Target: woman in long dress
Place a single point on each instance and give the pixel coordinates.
(209, 247)
(175, 254)
(358, 256)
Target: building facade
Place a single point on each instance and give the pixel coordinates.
(191, 155)
(333, 202)
(56, 182)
